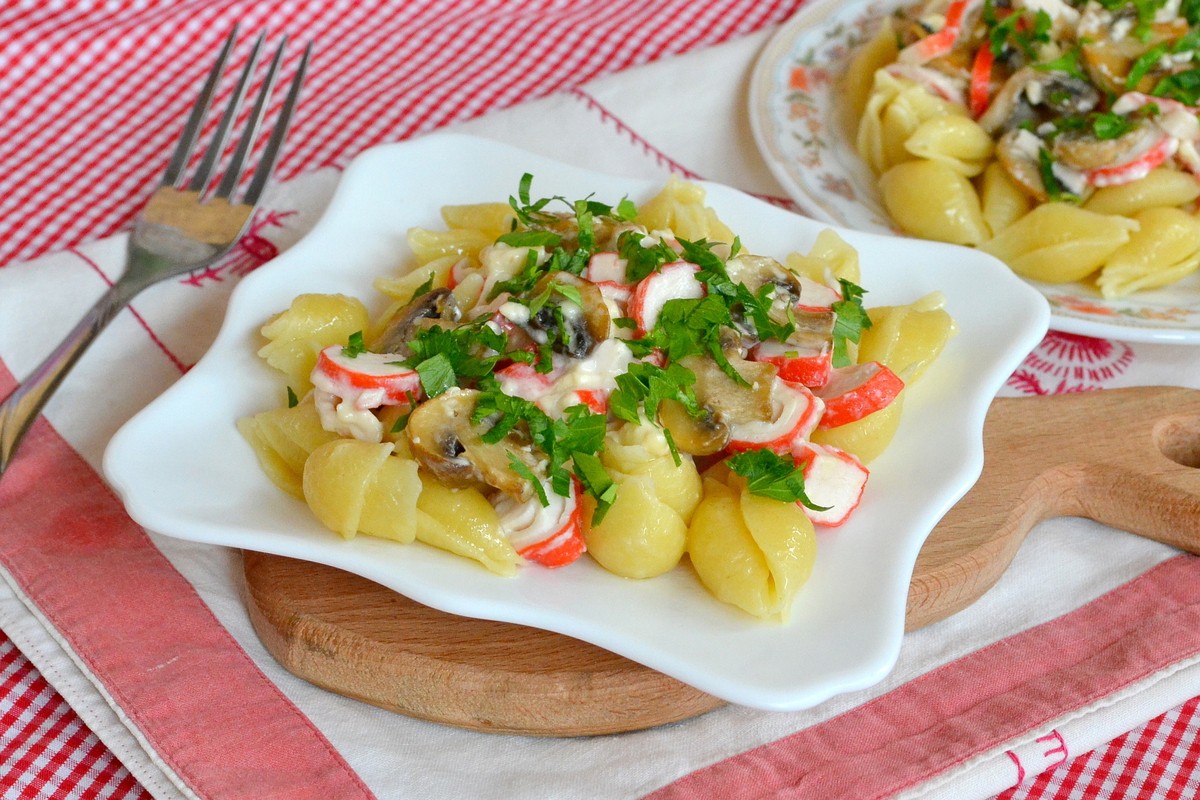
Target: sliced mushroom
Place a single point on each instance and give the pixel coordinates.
(448, 444)
(755, 272)
(731, 402)
(813, 328)
(1109, 50)
(423, 311)
(1017, 152)
(1084, 151)
(1032, 96)
(583, 325)
(700, 435)
(566, 225)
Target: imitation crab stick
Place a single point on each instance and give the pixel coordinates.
(675, 281)
(939, 43)
(809, 366)
(550, 535)
(816, 296)
(1135, 168)
(833, 479)
(520, 379)
(798, 413)
(979, 94)
(374, 379)
(857, 391)
(606, 268)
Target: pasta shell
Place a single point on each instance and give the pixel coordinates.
(1060, 242)
(1165, 248)
(930, 200)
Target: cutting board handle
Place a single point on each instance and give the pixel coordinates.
(1129, 458)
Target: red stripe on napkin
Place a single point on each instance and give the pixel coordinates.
(978, 702)
(149, 640)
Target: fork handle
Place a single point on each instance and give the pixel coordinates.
(21, 408)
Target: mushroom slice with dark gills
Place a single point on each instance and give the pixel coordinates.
(722, 400)
(1032, 96)
(1081, 160)
(755, 272)
(566, 225)
(573, 315)
(438, 305)
(447, 443)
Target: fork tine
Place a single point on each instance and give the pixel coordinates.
(275, 143)
(183, 150)
(233, 172)
(221, 136)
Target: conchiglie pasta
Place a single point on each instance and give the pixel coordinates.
(750, 551)
(642, 450)
(1059, 242)
(1161, 188)
(491, 219)
(895, 109)
(680, 208)
(463, 522)
(930, 200)
(878, 52)
(357, 487)
(282, 439)
(1164, 249)
(829, 259)
(1001, 200)
(640, 536)
(310, 324)
(868, 437)
(402, 287)
(953, 140)
(907, 338)
(428, 245)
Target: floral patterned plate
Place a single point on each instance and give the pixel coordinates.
(807, 139)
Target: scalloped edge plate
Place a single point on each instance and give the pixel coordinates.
(806, 140)
(183, 470)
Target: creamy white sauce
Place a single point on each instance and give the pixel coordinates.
(597, 372)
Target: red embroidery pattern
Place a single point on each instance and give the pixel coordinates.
(1066, 362)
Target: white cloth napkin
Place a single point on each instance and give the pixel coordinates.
(649, 121)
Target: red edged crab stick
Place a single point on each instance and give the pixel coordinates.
(857, 391)
(798, 411)
(675, 281)
(834, 479)
(550, 535)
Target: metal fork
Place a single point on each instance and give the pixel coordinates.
(184, 226)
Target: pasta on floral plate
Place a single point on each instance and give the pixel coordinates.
(557, 377)
(1060, 136)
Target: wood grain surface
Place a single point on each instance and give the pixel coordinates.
(1128, 458)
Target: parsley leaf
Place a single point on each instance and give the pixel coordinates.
(436, 374)
(1054, 188)
(769, 474)
(850, 320)
(354, 345)
(530, 238)
(596, 481)
(643, 254)
(644, 386)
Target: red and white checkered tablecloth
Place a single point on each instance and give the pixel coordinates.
(84, 93)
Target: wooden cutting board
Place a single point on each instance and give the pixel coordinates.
(1129, 458)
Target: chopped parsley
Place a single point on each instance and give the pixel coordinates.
(769, 474)
(354, 345)
(850, 320)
